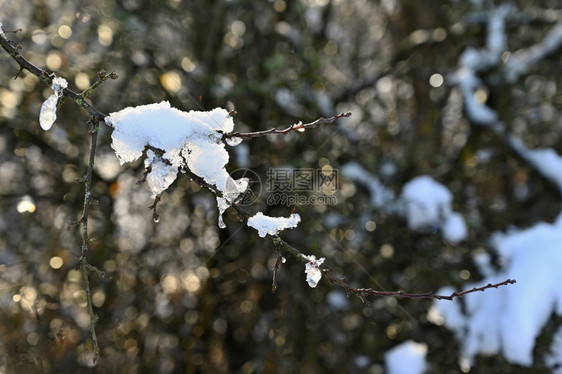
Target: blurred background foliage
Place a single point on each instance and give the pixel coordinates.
(181, 295)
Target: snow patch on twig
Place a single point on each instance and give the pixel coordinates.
(267, 225)
(48, 113)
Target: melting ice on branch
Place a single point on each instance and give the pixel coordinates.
(183, 139)
(312, 270)
(48, 113)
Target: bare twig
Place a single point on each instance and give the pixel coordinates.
(276, 265)
(362, 293)
(83, 264)
(295, 127)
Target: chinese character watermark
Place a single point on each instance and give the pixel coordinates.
(289, 186)
(303, 186)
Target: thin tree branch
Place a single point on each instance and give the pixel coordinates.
(86, 267)
(294, 127)
(362, 293)
(102, 77)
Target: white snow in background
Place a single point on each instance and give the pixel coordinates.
(381, 196)
(476, 111)
(2, 31)
(242, 154)
(454, 228)
(407, 358)
(187, 139)
(545, 161)
(424, 202)
(362, 361)
(474, 60)
(510, 318)
(520, 62)
(427, 203)
(48, 113)
(496, 40)
(267, 225)
(312, 270)
(337, 300)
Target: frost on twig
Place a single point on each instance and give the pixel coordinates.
(48, 113)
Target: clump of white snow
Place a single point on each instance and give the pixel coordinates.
(407, 358)
(428, 204)
(267, 225)
(521, 61)
(476, 111)
(472, 61)
(182, 139)
(454, 228)
(510, 318)
(424, 202)
(496, 40)
(48, 113)
(546, 161)
(381, 196)
(312, 270)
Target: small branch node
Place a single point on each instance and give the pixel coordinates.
(145, 175)
(20, 70)
(155, 216)
(71, 223)
(276, 266)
